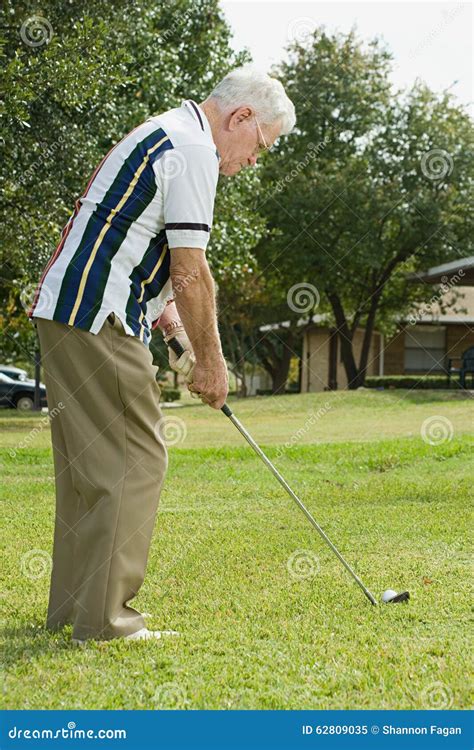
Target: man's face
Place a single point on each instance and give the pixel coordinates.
(240, 140)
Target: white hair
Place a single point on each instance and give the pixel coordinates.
(266, 95)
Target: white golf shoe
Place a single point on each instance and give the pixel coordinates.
(144, 634)
(141, 635)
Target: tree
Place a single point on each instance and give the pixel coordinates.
(77, 78)
(373, 184)
(251, 296)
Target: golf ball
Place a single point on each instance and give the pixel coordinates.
(387, 595)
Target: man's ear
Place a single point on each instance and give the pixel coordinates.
(239, 115)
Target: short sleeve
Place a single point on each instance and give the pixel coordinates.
(188, 178)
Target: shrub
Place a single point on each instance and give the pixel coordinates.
(170, 394)
(269, 392)
(407, 381)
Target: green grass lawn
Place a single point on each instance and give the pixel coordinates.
(268, 617)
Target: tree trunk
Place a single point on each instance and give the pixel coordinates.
(235, 349)
(369, 328)
(242, 393)
(276, 364)
(356, 374)
(241, 349)
(280, 375)
(345, 337)
(370, 324)
(300, 374)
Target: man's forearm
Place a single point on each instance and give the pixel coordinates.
(196, 306)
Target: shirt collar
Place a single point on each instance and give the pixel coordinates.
(200, 117)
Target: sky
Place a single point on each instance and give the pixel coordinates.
(429, 40)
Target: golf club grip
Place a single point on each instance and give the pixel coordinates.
(176, 347)
(179, 350)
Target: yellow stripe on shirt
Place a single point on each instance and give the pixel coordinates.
(148, 281)
(106, 228)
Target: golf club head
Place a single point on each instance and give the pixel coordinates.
(403, 596)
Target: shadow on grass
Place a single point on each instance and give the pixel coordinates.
(25, 641)
(433, 396)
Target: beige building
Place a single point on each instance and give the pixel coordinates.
(434, 333)
(322, 368)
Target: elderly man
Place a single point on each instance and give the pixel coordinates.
(132, 258)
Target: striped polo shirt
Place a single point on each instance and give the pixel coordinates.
(153, 191)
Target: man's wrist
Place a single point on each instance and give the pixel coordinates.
(208, 356)
(171, 328)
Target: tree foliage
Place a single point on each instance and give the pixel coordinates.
(77, 77)
(373, 184)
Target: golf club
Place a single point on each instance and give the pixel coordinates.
(389, 596)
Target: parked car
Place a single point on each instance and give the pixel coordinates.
(17, 374)
(19, 394)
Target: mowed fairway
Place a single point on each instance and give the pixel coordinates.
(268, 617)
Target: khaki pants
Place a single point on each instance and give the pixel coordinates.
(110, 461)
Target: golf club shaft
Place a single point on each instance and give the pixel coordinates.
(178, 349)
(287, 487)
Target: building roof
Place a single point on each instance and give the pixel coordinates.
(464, 268)
(456, 276)
(318, 319)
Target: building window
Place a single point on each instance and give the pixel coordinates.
(425, 348)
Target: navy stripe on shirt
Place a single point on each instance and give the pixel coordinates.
(198, 113)
(189, 225)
